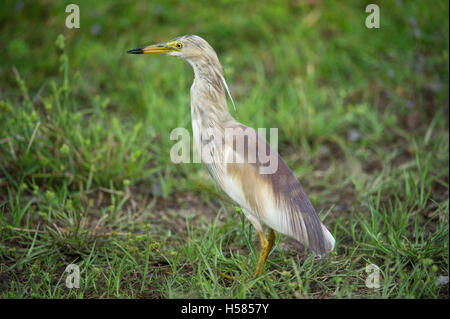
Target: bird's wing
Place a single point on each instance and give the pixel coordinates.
(260, 181)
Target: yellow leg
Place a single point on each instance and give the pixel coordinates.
(266, 247)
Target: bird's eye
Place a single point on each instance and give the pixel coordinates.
(178, 45)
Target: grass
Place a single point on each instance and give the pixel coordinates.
(86, 176)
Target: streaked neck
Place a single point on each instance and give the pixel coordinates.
(208, 92)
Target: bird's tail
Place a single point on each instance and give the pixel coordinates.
(315, 235)
(329, 241)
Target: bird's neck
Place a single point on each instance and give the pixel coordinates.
(208, 93)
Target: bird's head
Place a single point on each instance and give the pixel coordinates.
(188, 47)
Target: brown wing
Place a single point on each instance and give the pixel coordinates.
(276, 198)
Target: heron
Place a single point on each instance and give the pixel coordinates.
(269, 199)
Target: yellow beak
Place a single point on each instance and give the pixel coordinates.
(151, 49)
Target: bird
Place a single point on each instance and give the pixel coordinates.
(240, 160)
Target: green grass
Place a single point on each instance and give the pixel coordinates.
(86, 176)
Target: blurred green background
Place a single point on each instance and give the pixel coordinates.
(362, 116)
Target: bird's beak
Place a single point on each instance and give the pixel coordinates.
(151, 49)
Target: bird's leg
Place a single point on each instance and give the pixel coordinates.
(271, 239)
(266, 247)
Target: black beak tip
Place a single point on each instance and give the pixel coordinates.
(135, 51)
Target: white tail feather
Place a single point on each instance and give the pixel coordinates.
(329, 240)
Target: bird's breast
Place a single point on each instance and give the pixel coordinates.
(208, 145)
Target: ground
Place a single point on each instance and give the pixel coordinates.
(85, 170)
